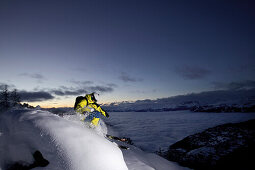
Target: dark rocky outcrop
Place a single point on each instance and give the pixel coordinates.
(39, 161)
(228, 146)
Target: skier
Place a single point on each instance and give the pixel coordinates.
(87, 104)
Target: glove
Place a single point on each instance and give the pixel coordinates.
(85, 112)
(106, 114)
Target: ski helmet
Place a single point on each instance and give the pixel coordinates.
(93, 98)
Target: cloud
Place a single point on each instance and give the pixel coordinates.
(62, 91)
(127, 78)
(74, 92)
(35, 96)
(29, 96)
(81, 82)
(247, 84)
(36, 76)
(192, 73)
(101, 89)
(86, 87)
(71, 91)
(138, 91)
(112, 85)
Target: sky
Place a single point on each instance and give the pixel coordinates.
(53, 51)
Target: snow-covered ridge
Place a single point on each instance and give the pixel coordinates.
(66, 144)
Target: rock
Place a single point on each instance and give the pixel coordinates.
(230, 146)
(39, 161)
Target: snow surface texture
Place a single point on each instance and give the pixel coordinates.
(68, 144)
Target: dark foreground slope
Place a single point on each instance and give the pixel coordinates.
(228, 146)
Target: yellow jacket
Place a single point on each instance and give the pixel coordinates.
(83, 104)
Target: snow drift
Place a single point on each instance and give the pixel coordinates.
(66, 144)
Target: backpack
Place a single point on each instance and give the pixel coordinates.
(78, 100)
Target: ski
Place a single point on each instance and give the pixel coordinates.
(126, 140)
(118, 139)
(123, 147)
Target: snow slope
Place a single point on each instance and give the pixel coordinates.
(68, 144)
(137, 159)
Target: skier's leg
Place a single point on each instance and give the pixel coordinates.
(95, 118)
(95, 121)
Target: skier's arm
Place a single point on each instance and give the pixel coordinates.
(98, 108)
(80, 108)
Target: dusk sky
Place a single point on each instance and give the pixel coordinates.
(55, 50)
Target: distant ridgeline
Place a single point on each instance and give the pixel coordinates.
(211, 101)
(196, 108)
(225, 108)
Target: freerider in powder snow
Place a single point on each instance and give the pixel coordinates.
(87, 105)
